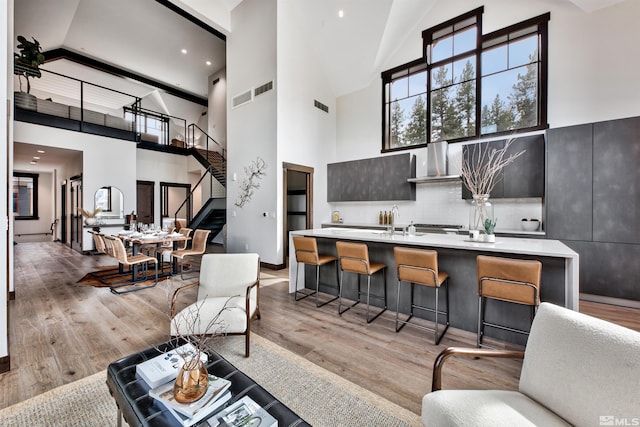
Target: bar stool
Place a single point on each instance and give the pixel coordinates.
(505, 279)
(420, 266)
(354, 258)
(306, 249)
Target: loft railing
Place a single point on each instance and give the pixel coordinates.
(83, 105)
(65, 97)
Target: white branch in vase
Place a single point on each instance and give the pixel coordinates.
(481, 168)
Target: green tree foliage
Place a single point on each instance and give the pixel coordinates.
(397, 124)
(440, 104)
(466, 102)
(523, 98)
(415, 132)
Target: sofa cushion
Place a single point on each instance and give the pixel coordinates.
(582, 368)
(485, 408)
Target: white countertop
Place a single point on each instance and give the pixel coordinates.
(526, 246)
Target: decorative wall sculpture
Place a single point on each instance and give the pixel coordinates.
(254, 172)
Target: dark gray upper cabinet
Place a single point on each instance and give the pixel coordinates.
(569, 183)
(522, 178)
(377, 179)
(616, 181)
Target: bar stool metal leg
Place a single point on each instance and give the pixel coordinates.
(305, 294)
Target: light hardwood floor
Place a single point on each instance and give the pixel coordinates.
(60, 332)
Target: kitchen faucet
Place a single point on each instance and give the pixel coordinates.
(395, 212)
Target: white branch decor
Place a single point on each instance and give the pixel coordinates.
(254, 173)
(480, 169)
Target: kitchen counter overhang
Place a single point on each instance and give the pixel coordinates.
(457, 256)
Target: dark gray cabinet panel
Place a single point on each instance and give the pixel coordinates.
(569, 183)
(616, 181)
(377, 179)
(608, 269)
(522, 178)
(525, 176)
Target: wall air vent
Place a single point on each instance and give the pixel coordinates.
(241, 99)
(320, 105)
(262, 89)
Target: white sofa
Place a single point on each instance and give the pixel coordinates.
(577, 370)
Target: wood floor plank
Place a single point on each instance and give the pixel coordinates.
(60, 331)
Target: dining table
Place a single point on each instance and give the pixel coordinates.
(158, 238)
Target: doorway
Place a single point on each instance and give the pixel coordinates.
(63, 212)
(145, 201)
(76, 229)
(175, 201)
(297, 201)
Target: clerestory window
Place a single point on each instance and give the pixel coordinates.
(468, 85)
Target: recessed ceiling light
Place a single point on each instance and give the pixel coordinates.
(340, 13)
(184, 51)
(33, 162)
(36, 158)
(208, 62)
(41, 151)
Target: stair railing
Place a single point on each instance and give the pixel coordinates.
(214, 144)
(208, 171)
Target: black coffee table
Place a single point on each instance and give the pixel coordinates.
(139, 409)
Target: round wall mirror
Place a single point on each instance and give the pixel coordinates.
(111, 201)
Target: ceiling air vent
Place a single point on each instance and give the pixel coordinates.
(241, 99)
(262, 89)
(320, 105)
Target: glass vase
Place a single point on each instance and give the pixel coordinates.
(481, 210)
(192, 381)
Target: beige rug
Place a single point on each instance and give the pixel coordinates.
(317, 395)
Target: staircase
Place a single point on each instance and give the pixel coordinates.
(213, 159)
(212, 216)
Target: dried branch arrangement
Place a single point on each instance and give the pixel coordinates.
(481, 168)
(254, 172)
(88, 214)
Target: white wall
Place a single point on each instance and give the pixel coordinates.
(6, 162)
(306, 134)
(106, 161)
(251, 130)
(217, 112)
(591, 63)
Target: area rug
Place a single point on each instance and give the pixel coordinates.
(317, 395)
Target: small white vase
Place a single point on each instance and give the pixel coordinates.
(490, 238)
(90, 221)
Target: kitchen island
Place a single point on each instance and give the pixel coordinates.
(457, 256)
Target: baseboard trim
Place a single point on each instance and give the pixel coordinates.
(610, 300)
(5, 364)
(273, 266)
(12, 295)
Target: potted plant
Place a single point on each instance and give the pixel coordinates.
(489, 226)
(26, 63)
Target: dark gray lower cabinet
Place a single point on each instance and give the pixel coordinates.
(377, 179)
(608, 269)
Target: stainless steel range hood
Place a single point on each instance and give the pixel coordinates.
(436, 164)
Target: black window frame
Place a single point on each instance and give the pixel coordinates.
(387, 76)
(34, 197)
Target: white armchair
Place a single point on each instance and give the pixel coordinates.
(577, 370)
(225, 279)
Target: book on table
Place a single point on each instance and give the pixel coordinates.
(246, 413)
(191, 413)
(165, 367)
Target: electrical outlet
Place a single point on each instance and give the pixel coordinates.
(246, 246)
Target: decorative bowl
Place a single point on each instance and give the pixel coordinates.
(530, 224)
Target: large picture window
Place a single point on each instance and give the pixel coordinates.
(468, 85)
(25, 195)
